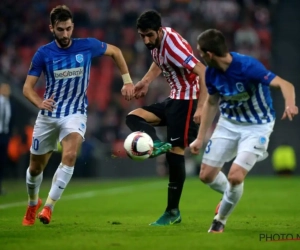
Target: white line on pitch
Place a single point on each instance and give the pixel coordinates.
(89, 194)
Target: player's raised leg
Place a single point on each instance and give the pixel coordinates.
(34, 177)
(143, 120)
(70, 146)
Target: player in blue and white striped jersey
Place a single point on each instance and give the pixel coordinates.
(239, 86)
(66, 64)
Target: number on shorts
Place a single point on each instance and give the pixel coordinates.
(208, 147)
(35, 143)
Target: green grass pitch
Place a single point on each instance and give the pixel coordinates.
(96, 214)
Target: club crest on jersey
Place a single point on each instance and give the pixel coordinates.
(262, 140)
(79, 58)
(240, 86)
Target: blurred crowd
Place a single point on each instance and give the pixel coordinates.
(24, 27)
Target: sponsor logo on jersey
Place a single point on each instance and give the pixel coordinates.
(68, 73)
(79, 58)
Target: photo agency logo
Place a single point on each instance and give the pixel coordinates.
(273, 237)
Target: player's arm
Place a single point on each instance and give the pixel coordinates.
(199, 69)
(141, 88)
(33, 97)
(288, 92)
(153, 72)
(210, 109)
(116, 54)
(257, 71)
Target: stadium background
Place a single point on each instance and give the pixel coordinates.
(267, 30)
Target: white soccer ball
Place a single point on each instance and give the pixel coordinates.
(138, 146)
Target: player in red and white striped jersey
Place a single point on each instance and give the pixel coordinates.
(180, 112)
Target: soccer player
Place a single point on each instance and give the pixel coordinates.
(173, 57)
(66, 64)
(239, 86)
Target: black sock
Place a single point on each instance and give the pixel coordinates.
(176, 179)
(137, 123)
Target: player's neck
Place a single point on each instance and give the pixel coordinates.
(224, 62)
(161, 38)
(58, 45)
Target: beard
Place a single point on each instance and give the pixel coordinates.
(151, 46)
(63, 42)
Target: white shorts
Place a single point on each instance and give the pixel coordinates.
(48, 131)
(229, 139)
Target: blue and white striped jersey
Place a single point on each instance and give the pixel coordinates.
(67, 73)
(244, 90)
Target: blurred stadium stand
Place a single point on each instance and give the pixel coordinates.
(264, 29)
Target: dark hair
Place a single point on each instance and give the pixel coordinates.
(150, 19)
(60, 13)
(213, 40)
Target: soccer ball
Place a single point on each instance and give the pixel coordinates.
(138, 146)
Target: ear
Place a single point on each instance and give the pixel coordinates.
(160, 30)
(209, 54)
(51, 28)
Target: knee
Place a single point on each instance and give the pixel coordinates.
(207, 174)
(36, 168)
(69, 157)
(235, 178)
(205, 177)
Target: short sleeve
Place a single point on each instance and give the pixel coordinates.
(208, 81)
(179, 52)
(37, 64)
(256, 71)
(98, 48)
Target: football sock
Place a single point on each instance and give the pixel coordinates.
(60, 180)
(219, 184)
(176, 179)
(33, 184)
(231, 197)
(136, 123)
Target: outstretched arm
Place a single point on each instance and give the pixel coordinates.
(288, 92)
(141, 88)
(153, 72)
(117, 56)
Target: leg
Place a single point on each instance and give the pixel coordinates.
(213, 177)
(70, 145)
(71, 135)
(175, 159)
(238, 171)
(3, 161)
(34, 178)
(180, 130)
(144, 119)
(43, 143)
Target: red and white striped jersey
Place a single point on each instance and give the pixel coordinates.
(176, 60)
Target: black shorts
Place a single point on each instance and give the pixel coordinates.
(177, 116)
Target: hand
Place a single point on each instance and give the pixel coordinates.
(195, 146)
(128, 91)
(290, 111)
(48, 104)
(140, 89)
(197, 115)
